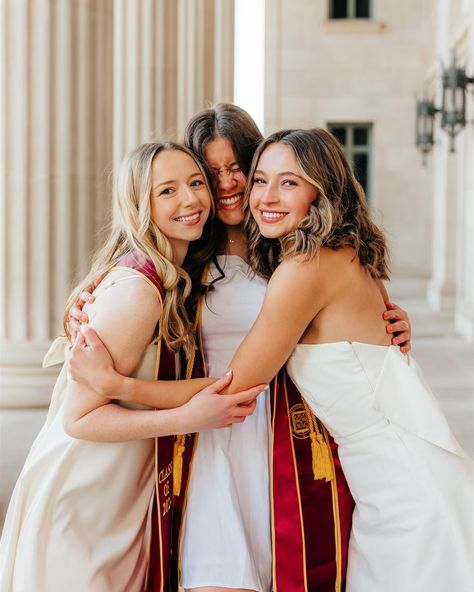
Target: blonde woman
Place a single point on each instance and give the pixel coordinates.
(79, 517)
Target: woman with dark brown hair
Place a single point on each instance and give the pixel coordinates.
(226, 541)
(311, 235)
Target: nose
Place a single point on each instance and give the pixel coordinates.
(188, 196)
(225, 182)
(269, 194)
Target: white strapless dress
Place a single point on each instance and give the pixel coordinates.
(413, 485)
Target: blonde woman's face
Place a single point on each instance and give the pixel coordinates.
(180, 200)
(280, 197)
(230, 181)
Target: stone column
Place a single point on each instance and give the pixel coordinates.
(465, 275)
(442, 287)
(55, 148)
(205, 55)
(145, 63)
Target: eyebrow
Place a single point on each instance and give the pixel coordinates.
(224, 165)
(174, 180)
(281, 174)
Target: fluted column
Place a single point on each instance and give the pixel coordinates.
(55, 149)
(144, 72)
(442, 286)
(205, 55)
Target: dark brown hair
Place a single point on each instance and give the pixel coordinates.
(338, 216)
(228, 121)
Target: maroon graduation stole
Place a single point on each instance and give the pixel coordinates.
(311, 502)
(159, 552)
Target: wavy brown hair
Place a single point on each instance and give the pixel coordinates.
(133, 231)
(228, 121)
(338, 216)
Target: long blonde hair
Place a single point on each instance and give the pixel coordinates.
(133, 230)
(339, 215)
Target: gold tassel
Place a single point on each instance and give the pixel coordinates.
(320, 454)
(179, 449)
(322, 468)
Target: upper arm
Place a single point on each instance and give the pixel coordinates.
(291, 302)
(125, 316)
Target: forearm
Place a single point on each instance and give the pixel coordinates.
(162, 394)
(113, 423)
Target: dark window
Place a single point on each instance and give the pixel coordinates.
(349, 9)
(356, 140)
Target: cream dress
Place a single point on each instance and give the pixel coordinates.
(413, 525)
(226, 539)
(78, 519)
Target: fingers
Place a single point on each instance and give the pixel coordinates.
(98, 280)
(245, 397)
(77, 314)
(220, 383)
(401, 339)
(79, 342)
(398, 327)
(390, 305)
(406, 348)
(91, 338)
(395, 315)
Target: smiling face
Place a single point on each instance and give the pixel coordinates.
(280, 197)
(180, 199)
(230, 181)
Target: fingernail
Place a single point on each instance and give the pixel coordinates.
(84, 318)
(229, 372)
(91, 299)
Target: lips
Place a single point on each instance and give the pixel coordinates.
(271, 216)
(189, 219)
(230, 202)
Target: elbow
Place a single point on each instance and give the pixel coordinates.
(72, 427)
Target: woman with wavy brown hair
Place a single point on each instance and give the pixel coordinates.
(310, 233)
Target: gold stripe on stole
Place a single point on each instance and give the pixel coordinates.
(155, 377)
(297, 489)
(272, 503)
(336, 517)
(189, 372)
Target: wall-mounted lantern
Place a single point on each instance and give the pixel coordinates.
(425, 116)
(453, 109)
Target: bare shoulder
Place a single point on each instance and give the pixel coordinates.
(124, 292)
(125, 315)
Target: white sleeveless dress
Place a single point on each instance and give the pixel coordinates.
(227, 538)
(78, 519)
(413, 527)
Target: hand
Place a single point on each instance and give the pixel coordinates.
(208, 410)
(399, 326)
(76, 316)
(91, 364)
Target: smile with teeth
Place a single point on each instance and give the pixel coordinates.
(230, 201)
(272, 216)
(189, 218)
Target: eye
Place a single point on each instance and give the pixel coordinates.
(235, 169)
(258, 181)
(197, 183)
(166, 191)
(289, 183)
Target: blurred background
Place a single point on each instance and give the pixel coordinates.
(84, 81)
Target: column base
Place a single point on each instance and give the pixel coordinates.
(464, 322)
(23, 381)
(442, 297)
